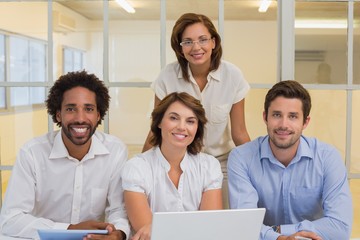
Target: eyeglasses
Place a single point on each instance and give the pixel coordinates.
(190, 43)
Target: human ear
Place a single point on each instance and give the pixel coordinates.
(306, 122)
(264, 117)
(58, 116)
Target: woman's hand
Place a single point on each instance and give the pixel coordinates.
(144, 233)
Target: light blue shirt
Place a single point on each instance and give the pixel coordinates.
(310, 194)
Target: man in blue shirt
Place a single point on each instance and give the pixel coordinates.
(301, 181)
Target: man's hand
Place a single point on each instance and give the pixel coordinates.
(310, 235)
(113, 234)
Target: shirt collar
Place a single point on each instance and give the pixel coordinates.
(215, 74)
(303, 152)
(59, 150)
(164, 163)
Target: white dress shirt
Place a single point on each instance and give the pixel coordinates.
(225, 87)
(148, 173)
(49, 189)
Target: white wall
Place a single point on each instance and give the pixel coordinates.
(252, 46)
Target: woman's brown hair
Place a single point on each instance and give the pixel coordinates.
(190, 102)
(176, 38)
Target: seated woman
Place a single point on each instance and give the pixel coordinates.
(174, 175)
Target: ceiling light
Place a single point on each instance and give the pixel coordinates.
(264, 5)
(333, 24)
(125, 5)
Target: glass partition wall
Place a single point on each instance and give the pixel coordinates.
(313, 42)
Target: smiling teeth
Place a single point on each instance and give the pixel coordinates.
(179, 135)
(80, 130)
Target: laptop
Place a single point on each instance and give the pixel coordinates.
(234, 224)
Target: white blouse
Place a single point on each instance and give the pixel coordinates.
(225, 87)
(148, 173)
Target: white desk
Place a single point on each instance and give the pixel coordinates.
(2, 237)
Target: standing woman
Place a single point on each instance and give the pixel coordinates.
(173, 176)
(219, 85)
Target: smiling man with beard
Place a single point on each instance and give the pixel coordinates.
(301, 181)
(69, 179)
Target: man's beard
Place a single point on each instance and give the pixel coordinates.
(78, 141)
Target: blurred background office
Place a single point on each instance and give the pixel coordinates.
(315, 42)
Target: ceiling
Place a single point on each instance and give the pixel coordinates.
(150, 9)
(233, 9)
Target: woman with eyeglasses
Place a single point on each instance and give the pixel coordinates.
(218, 84)
(173, 176)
